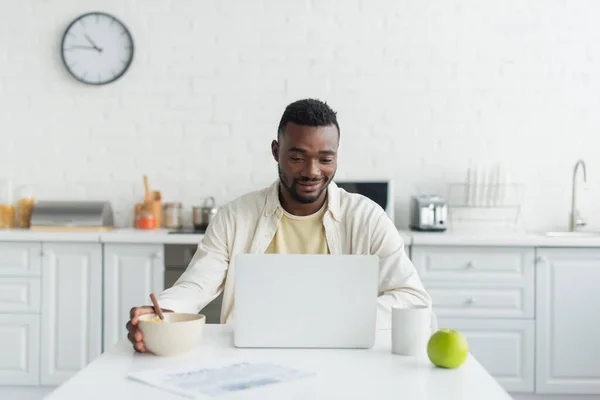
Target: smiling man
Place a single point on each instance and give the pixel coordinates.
(302, 212)
(306, 155)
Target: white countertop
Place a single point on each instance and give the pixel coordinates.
(449, 238)
(124, 235)
(153, 236)
(338, 374)
(25, 235)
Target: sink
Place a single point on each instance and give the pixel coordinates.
(572, 234)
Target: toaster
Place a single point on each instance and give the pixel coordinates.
(428, 213)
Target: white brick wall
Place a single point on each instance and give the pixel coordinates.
(421, 88)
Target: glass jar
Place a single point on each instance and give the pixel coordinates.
(7, 216)
(25, 204)
(146, 220)
(173, 217)
(7, 208)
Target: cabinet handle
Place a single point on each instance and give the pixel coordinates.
(41, 253)
(157, 255)
(471, 264)
(470, 300)
(541, 260)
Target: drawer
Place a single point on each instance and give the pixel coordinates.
(20, 258)
(500, 302)
(20, 295)
(498, 265)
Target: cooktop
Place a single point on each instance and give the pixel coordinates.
(192, 231)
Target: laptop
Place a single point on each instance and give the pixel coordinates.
(305, 300)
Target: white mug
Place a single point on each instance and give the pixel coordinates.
(411, 329)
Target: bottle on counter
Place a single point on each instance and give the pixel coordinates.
(7, 208)
(173, 218)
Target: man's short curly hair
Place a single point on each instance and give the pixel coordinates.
(310, 112)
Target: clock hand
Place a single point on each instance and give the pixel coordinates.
(92, 43)
(75, 46)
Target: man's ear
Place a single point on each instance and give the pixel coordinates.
(275, 150)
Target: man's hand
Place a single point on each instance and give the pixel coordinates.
(134, 333)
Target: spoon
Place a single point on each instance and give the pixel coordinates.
(157, 309)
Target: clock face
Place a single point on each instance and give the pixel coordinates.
(97, 48)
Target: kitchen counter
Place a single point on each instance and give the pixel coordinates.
(531, 239)
(345, 373)
(477, 238)
(155, 236)
(25, 235)
(449, 238)
(125, 235)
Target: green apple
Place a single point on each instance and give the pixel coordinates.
(447, 348)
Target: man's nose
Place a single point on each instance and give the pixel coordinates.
(312, 170)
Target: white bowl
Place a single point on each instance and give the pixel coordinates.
(177, 334)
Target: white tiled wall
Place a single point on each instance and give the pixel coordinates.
(421, 88)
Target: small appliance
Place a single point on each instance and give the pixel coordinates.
(380, 191)
(72, 216)
(428, 213)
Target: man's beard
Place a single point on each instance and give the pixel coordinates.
(291, 188)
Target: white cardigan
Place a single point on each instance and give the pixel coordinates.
(353, 225)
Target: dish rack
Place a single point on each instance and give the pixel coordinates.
(497, 205)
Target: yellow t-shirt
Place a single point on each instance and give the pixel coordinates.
(300, 235)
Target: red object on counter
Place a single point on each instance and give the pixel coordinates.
(146, 221)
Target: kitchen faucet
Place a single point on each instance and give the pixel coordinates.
(575, 220)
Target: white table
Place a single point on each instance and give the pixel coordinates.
(339, 374)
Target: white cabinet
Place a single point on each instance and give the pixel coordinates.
(488, 293)
(568, 321)
(131, 273)
(19, 349)
(71, 309)
(505, 348)
(534, 325)
(475, 281)
(20, 268)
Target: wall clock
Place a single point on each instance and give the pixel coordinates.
(97, 48)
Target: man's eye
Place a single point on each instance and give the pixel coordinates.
(327, 160)
(296, 159)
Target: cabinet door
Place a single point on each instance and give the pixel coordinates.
(568, 321)
(71, 309)
(131, 273)
(504, 347)
(19, 349)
